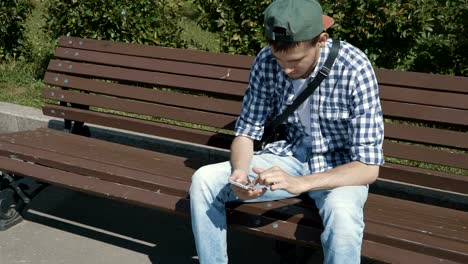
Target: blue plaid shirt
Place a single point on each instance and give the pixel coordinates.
(346, 121)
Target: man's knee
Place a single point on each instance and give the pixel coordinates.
(343, 222)
(208, 176)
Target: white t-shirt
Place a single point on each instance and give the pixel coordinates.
(304, 109)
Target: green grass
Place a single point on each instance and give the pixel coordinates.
(19, 78)
(18, 84)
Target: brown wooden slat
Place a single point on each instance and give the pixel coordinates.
(105, 172)
(69, 160)
(145, 94)
(450, 225)
(148, 64)
(441, 217)
(422, 80)
(415, 223)
(425, 210)
(222, 59)
(145, 77)
(142, 108)
(435, 156)
(426, 135)
(142, 126)
(425, 178)
(407, 215)
(387, 254)
(108, 153)
(417, 242)
(298, 211)
(426, 113)
(424, 97)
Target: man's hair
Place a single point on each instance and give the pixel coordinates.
(281, 46)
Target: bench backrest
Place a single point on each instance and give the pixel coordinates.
(164, 92)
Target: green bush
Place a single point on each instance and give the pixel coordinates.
(239, 23)
(415, 35)
(13, 14)
(143, 21)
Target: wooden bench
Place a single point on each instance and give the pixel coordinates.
(162, 92)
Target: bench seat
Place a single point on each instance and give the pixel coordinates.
(159, 180)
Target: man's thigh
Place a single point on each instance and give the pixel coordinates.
(216, 176)
(289, 164)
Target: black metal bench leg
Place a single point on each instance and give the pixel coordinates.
(79, 128)
(15, 194)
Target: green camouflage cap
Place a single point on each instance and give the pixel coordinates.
(295, 20)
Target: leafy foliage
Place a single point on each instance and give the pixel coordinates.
(13, 14)
(144, 21)
(415, 35)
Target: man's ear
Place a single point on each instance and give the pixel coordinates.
(322, 38)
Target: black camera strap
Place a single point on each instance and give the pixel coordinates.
(322, 74)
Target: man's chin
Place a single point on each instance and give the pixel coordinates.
(295, 76)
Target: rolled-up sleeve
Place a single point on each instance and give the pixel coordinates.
(366, 127)
(256, 103)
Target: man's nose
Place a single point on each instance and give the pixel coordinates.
(288, 70)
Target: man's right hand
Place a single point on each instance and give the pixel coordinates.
(242, 177)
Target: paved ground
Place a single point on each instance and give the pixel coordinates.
(63, 226)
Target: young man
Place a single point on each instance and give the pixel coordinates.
(334, 139)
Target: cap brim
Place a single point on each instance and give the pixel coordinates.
(327, 21)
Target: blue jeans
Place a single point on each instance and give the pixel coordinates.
(341, 210)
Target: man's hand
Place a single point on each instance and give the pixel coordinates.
(242, 177)
(276, 178)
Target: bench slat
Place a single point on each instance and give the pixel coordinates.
(426, 135)
(424, 97)
(405, 207)
(430, 178)
(435, 156)
(146, 77)
(422, 80)
(142, 126)
(425, 113)
(415, 223)
(211, 58)
(117, 155)
(105, 172)
(298, 211)
(143, 108)
(417, 242)
(156, 65)
(145, 94)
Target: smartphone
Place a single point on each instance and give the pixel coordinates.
(243, 186)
